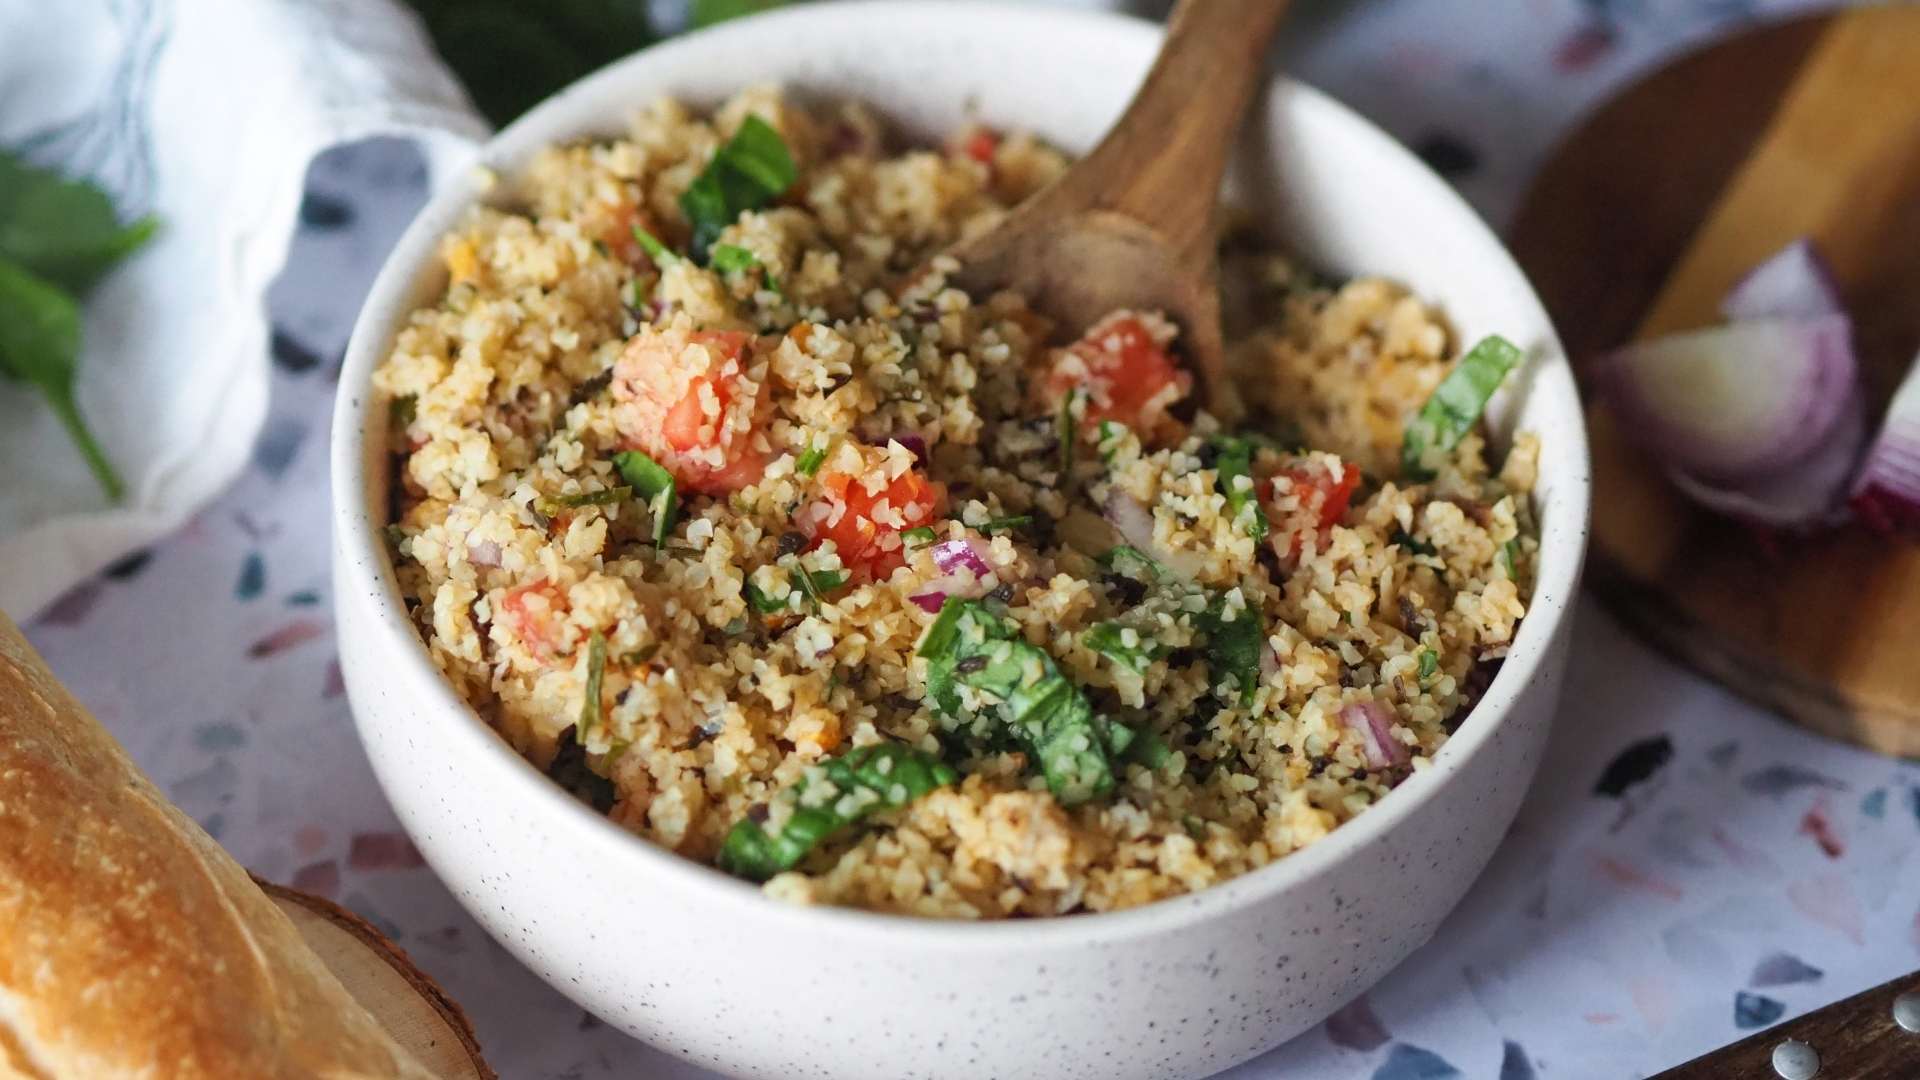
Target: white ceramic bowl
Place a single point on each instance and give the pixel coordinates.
(703, 965)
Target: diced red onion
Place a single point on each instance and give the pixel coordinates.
(1886, 495)
(1373, 722)
(916, 444)
(968, 553)
(1134, 523)
(929, 602)
(1738, 403)
(1809, 492)
(483, 553)
(1796, 283)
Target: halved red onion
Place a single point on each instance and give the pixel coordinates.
(1738, 403)
(1809, 492)
(968, 554)
(1796, 283)
(1886, 494)
(1373, 722)
(1134, 523)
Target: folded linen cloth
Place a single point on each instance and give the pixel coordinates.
(205, 113)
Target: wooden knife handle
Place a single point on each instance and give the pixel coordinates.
(1855, 1039)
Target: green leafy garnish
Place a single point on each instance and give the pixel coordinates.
(64, 232)
(596, 671)
(707, 12)
(511, 54)
(1411, 543)
(603, 497)
(40, 346)
(970, 646)
(1429, 663)
(731, 258)
(884, 776)
(656, 485)
(817, 583)
(661, 255)
(809, 462)
(1110, 434)
(1149, 749)
(1509, 557)
(920, 536)
(1129, 561)
(1124, 645)
(1234, 466)
(761, 602)
(1457, 402)
(1006, 524)
(747, 172)
(1233, 647)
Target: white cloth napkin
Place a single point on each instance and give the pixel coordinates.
(205, 113)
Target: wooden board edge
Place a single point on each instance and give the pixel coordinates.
(396, 958)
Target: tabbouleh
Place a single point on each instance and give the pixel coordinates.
(802, 563)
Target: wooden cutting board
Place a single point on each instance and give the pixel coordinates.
(410, 1005)
(1637, 226)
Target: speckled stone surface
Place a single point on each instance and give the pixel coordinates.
(1686, 869)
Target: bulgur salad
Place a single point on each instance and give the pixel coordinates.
(725, 509)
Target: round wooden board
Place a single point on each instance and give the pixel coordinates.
(410, 1005)
(1635, 227)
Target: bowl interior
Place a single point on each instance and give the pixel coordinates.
(1334, 189)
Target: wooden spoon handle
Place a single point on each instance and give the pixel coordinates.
(1163, 160)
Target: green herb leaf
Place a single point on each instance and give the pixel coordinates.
(1006, 524)
(1457, 403)
(661, 255)
(596, 671)
(707, 12)
(1429, 663)
(970, 646)
(511, 54)
(809, 462)
(1233, 648)
(1510, 558)
(1234, 466)
(1110, 639)
(918, 537)
(1129, 561)
(817, 583)
(65, 232)
(747, 172)
(39, 345)
(761, 602)
(731, 258)
(654, 484)
(1149, 749)
(885, 776)
(602, 497)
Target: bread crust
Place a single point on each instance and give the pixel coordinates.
(131, 944)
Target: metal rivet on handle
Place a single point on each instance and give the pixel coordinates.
(1906, 1010)
(1795, 1060)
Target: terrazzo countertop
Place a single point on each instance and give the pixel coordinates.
(1687, 869)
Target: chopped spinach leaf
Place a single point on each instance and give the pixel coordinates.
(731, 258)
(1234, 465)
(1124, 645)
(747, 172)
(1457, 403)
(40, 346)
(1233, 647)
(64, 232)
(884, 776)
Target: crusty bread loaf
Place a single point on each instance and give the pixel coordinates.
(131, 945)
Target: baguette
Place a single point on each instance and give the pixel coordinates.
(131, 944)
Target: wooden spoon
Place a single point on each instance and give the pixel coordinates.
(1132, 224)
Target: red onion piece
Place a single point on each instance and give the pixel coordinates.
(1796, 283)
(1373, 722)
(1134, 523)
(1738, 403)
(929, 602)
(968, 553)
(1810, 492)
(483, 553)
(1886, 494)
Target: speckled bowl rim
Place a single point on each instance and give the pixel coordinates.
(358, 537)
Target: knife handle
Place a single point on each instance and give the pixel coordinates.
(1857, 1038)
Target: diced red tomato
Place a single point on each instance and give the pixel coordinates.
(536, 613)
(1322, 492)
(687, 403)
(865, 525)
(980, 144)
(1126, 372)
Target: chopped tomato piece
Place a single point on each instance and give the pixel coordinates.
(1324, 497)
(1123, 367)
(865, 525)
(686, 402)
(536, 613)
(980, 143)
